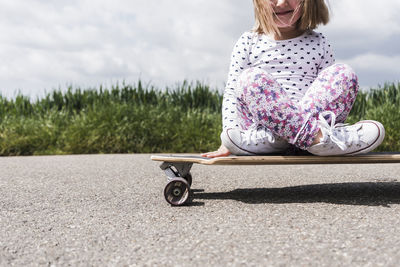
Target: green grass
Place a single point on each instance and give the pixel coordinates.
(381, 104)
(138, 119)
(124, 119)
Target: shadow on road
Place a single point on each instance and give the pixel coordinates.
(368, 193)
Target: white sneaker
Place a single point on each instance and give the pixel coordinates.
(343, 139)
(256, 141)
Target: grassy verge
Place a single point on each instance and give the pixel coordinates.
(134, 119)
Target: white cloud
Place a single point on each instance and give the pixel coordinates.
(55, 43)
(376, 62)
(364, 26)
(377, 19)
(46, 44)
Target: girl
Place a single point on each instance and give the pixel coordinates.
(285, 88)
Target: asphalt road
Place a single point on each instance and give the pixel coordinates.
(109, 210)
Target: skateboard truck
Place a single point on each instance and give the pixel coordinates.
(176, 192)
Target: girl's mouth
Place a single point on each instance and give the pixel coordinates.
(282, 13)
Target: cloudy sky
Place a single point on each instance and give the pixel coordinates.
(50, 44)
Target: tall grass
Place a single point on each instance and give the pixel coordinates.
(73, 101)
(389, 94)
(381, 104)
(123, 119)
(141, 119)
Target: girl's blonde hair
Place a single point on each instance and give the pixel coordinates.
(315, 12)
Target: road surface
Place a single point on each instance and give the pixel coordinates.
(109, 210)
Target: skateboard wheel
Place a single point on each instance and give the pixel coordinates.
(176, 192)
(188, 178)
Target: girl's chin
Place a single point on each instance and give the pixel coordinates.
(283, 24)
(286, 22)
(283, 27)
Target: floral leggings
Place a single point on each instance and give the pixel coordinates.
(262, 101)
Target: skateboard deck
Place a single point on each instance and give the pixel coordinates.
(279, 159)
(177, 167)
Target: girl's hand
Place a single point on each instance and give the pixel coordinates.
(221, 152)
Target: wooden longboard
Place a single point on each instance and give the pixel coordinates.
(278, 159)
(177, 167)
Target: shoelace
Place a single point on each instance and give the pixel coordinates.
(338, 133)
(256, 135)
